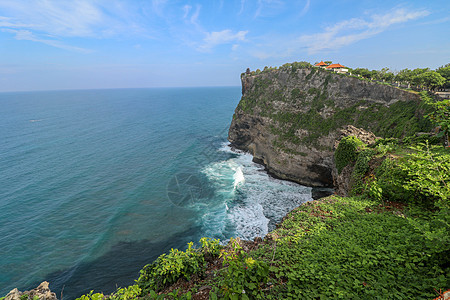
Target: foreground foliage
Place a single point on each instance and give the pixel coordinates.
(351, 248)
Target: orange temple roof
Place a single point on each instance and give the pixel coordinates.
(335, 66)
(320, 64)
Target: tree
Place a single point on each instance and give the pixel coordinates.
(363, 72)
(386, 75)
(404, 75)
(417, 80)
(374, 74)
(440, 115)
(432, 79)
(328, 62)
(444, 71)
(389, 76)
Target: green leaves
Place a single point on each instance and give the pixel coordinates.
(244, 276)
(168, 268)
(360, 256)
(347, 151)
(92, 296)
(440, 115)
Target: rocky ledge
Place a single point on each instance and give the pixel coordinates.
(42, 292)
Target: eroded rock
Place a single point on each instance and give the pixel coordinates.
(42, 292)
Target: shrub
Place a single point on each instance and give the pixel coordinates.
(131, 292)
(440, 115)
(347, 151)
(168, 268)
(422, 176)
(360, 169)
(91, 296)
(210, 246)
(244, 275)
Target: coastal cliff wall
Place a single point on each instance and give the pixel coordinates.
(290, 118)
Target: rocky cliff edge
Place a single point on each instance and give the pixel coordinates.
(290, 118)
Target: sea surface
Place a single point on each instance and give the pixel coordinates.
(95, 184)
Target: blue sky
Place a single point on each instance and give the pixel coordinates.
(79, 44)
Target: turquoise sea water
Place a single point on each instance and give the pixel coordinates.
(96, 184)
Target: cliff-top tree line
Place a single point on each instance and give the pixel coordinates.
(419, 77)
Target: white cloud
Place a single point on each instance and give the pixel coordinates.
(269, 7)
(226, 36)
(191, 18)
(62, 18)
(29, 36)
(186, 9)
(350, 31)
(242, 7)
(305, 8)
(46, 19)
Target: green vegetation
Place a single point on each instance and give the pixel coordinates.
(167, 269)
(347, 151)
(293, 67)
(440, 116)
(420, 78)
(243, 276)
(341, 248)
(399, 120)
(25, 297)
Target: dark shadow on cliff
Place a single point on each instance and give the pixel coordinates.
(117, 268)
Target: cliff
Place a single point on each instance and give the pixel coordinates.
(289, 118)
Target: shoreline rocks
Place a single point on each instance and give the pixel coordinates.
(42, 292)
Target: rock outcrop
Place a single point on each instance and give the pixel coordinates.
(343, 181)
(42, 292)
(290, 118)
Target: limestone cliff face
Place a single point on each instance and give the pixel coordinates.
(289, 118)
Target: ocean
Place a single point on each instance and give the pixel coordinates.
(94, 184)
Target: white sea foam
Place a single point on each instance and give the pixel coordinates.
(239, 178)
(248, 202)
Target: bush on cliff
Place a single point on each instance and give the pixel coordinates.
(167, 269)
(347, 151)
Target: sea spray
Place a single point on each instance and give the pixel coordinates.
(239, 178)
(251, 202)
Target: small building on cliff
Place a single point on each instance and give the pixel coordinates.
(338, 68)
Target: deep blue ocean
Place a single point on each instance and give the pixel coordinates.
(95, 184)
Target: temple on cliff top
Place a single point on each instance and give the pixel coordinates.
(338, 68)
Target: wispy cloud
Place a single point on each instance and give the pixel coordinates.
(268, 7)
(64, 18)
(226, 36)
(350, 31)
(189, 17)
(29, 36)
(305, 8)
(44, 20)
(242, 7)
